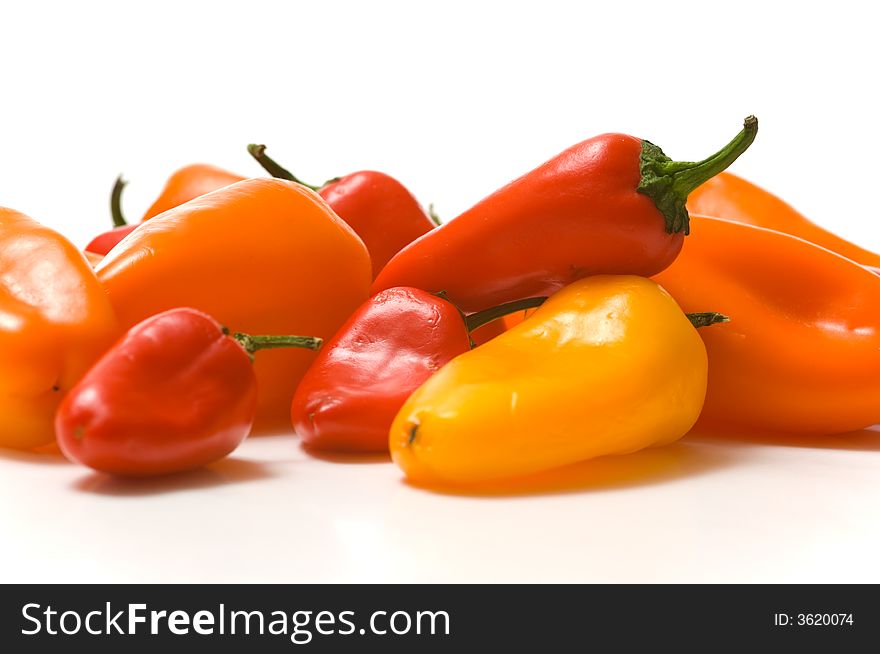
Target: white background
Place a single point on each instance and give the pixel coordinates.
(454, 99)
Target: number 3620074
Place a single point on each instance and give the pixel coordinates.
(813, 619)
(824, 619)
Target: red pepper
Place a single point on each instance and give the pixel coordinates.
(614, 204)
(376, 206)
(387, 349)
(175, 393)
(105, 242)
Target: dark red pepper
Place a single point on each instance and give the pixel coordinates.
(376, 206)
(362, 376)
(175, 393)
(613, 204)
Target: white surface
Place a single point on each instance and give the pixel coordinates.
(693, 511)
(453, 99)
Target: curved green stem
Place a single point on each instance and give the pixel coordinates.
(706, 318)
(486, 316)
(116, 203)
(272, 167)
(668, 183)
(433, 215)
(253, 344)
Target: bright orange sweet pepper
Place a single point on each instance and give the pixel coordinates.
(733, 198)
(188, 183)
(265, 255)
(801, 353)
(55, 321)
(184, 185)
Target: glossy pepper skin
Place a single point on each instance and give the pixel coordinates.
(802, 351)
(103, 243)
(176, 393)
(188, 183)
(488, 331)
(608, 365)
(733, 198)
(363, 375)
(612, 204)
(378, 208)
(55, 321)
(184, 185)
(381, 210)
(265, 255)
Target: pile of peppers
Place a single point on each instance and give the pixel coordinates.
(607, 301)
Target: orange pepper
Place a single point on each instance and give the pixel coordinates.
(733, 198)
(513, 319)
(184, 185)
(487, 332)
(55, 321)
(266, 256)
(801, 352)
(189, 183)
(92, 258)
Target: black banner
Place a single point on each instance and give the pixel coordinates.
(278, 618)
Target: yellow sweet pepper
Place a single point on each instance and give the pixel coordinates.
(55, 321)
(608, 365)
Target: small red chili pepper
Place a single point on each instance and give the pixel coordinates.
(175, 393)
(387, 348)
(376, 206)
(613, 204)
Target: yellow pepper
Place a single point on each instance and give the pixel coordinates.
(55, 321)
(608, 365)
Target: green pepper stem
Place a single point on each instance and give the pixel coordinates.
(272, 167)
(433, 215)
(116, 203)
(689, 175)
(668, 183)
(706, 318)
(253, 344)
(486, 316)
